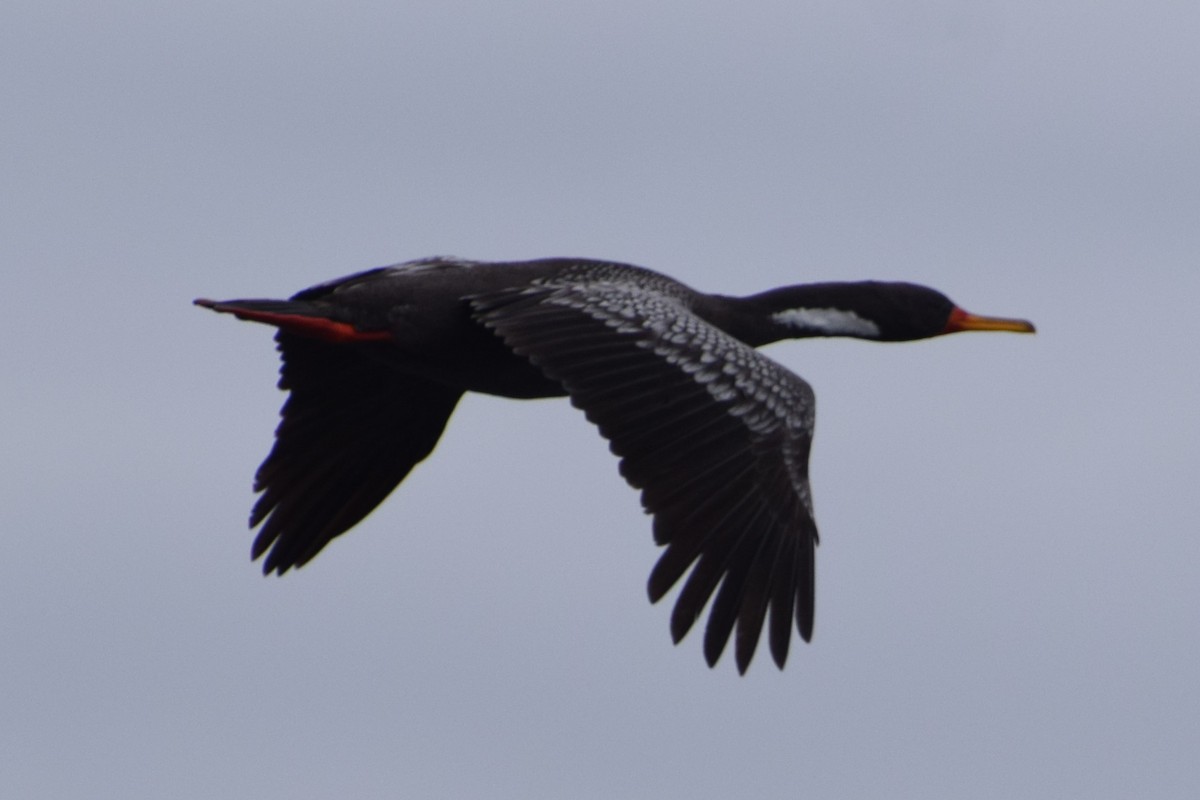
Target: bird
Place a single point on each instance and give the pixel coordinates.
(714, 434)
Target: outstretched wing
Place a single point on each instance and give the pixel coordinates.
(715, 435)
(351, 430)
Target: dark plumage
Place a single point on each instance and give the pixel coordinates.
(715, 434)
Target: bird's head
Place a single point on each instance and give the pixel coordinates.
(887, 312)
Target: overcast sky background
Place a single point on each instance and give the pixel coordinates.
(1009, 575)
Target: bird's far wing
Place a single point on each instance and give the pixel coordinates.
(715, 435)
(351, 430)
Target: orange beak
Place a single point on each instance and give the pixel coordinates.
(963, 321)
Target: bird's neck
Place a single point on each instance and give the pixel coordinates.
(794, 312)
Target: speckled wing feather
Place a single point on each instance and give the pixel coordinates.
(715, 435)
(350, 432)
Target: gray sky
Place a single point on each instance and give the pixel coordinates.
(1009, 575)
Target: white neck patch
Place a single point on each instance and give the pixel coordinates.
(827, 321)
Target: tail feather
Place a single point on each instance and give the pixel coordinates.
(302, 318)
